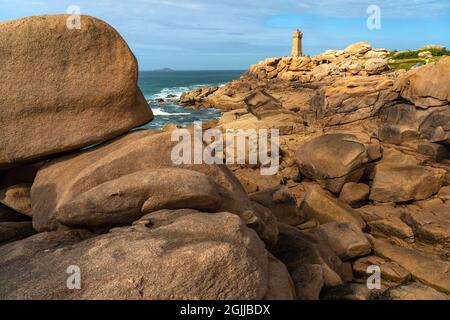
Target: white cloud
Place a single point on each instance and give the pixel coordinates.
(223, 26)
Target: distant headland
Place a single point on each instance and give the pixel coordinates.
(164, 70)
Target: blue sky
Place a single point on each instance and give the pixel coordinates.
(233, 34)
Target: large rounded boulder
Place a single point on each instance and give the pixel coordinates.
(64, 88)
(358, 48)
(427, 86)
(332, 160)
(118, 182)
(182, 254)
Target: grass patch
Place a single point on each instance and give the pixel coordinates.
(409, 59)
(411, 54)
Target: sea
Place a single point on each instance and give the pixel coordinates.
(169, 85)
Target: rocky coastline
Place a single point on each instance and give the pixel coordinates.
(364, 177)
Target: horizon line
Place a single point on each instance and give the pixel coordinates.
(187, 70)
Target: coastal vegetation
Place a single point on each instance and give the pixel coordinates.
(410, 58)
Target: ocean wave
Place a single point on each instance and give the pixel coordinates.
(159, 112)
(177, 91)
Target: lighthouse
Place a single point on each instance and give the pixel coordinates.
(297, 36)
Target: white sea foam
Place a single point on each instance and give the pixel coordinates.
(159, 112)
(176, 91)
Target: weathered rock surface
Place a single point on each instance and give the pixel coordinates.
(355, 194)
(436, 127)
(18, 198)
(253, 181)
(435, 151)
(308, 281)
(412, 291)
(401, 183)
(444, 194)
(432, 46)
(397, 134)
(321, 71)
(423, 268)
(402, 122)
(351, 100)
(282, 204)
(427, 86)
(345, 239)
(379, 212)
(387, 221)
(358, 48)
(310, 261)
(325, 208)
(280, 284)
(90, 79)
(392, 227)
(425, 54)
(284, 121)
(346, 272)
(263, 105)
(118, 182)
(390, 271)
(12, 231)
(125, 199)
(197, 96)
(376, 65)
(332, 160)
(180, 254)
(431, 225)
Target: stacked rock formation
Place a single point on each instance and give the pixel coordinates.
(80, 189)
(366, 154)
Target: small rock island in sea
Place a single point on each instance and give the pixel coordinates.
(364, 179)
(164, 70)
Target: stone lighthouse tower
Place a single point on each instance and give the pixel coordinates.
(297, 43)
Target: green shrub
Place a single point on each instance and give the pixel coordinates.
(438, 52)
(406, 55)
(411, 54)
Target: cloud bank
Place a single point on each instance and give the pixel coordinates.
(231, 34)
